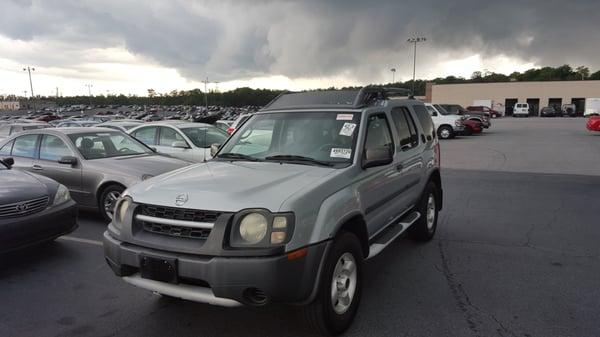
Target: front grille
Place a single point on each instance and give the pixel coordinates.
(174, 213)
(178, 231)
(22, 208)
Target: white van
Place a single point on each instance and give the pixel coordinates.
(521, 110)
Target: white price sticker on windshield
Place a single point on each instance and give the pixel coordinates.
(347, 129)
(345, 117)
(340, 153)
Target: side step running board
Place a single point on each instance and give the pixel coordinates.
(389, 234)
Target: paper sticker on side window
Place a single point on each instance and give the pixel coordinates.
(340, 153)
(347, 129)
(345, 117)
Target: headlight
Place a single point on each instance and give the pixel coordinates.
(253, 228)
(121, 211)
(261, 229)
(62, 195)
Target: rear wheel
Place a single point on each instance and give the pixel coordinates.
(445, 132)
(424, 229)
(335, 306)
(108, 199)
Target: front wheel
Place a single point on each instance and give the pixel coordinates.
(335, 306)
(108, 199)
(445, 132)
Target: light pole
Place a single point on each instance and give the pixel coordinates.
(89, 86)
(206, 94)
(29, 70)
(393, 70)
(415, 40)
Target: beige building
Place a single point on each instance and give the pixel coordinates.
(506, 94)
(9, 105)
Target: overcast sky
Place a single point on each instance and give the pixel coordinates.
(128, 46)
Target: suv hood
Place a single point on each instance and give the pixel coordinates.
(229, 186)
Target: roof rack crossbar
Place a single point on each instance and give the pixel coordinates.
(370, 94)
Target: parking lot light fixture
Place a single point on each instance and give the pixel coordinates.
(414, 41)
(29, 69)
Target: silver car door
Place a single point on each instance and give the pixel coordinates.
(376, 188)
(24, 150)
(52, 148)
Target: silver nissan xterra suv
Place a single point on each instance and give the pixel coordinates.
(289, 207)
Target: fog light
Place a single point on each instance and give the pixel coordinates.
(277, 237)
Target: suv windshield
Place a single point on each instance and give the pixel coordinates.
(313, 138)
(96, 145)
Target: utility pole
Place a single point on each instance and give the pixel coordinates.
(89, 86)
(29, 70)
(393, 70)
(414, 41)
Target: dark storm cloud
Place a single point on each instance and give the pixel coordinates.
(232, 39)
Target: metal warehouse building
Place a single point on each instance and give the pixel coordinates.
(506, 94)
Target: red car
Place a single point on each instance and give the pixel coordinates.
(593, 123)
(472, 127)
(493, 113)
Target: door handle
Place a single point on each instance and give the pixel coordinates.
(37, 167)
(399, 167)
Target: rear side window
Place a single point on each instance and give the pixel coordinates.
(425, 121)
(25, 146)
(146, 135)
(407, 135)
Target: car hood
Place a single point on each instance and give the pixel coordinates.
(229, 186)
(137, 166)
(20, 186)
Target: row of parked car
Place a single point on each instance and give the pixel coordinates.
(288, 210)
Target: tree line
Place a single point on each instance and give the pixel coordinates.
(259, 97)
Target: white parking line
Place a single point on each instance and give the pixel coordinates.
(80, 240)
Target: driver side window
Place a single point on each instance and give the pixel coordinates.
(378, 134)
(53, 148)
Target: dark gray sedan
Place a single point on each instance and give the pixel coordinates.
(96, 164)
(33, 208)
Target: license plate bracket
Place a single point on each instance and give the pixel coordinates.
(158, 268)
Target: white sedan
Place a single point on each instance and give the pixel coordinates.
(188, 141)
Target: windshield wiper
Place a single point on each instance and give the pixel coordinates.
(294, 158)
(236, 156)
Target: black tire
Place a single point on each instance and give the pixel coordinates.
(468, 131)
(108, 193)
(445, 132)
(320, 315)
(420, 230)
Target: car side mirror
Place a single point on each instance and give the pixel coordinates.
(214, 148)
(9, 161)
(378, 156)
(68, 160)
(179, 144)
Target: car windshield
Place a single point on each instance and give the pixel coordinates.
(96, 145)
(205, 136)
(319, 138)
(441, 110)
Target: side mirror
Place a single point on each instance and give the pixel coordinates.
(214, 148)
(180, 144)
(377, 157)
(68, 160)
(9, 161)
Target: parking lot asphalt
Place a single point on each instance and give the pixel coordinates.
(516, 254)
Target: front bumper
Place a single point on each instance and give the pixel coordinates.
(46, 225)
(458, 128)
(226, 281)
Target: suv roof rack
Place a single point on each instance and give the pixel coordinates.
(350, 99)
